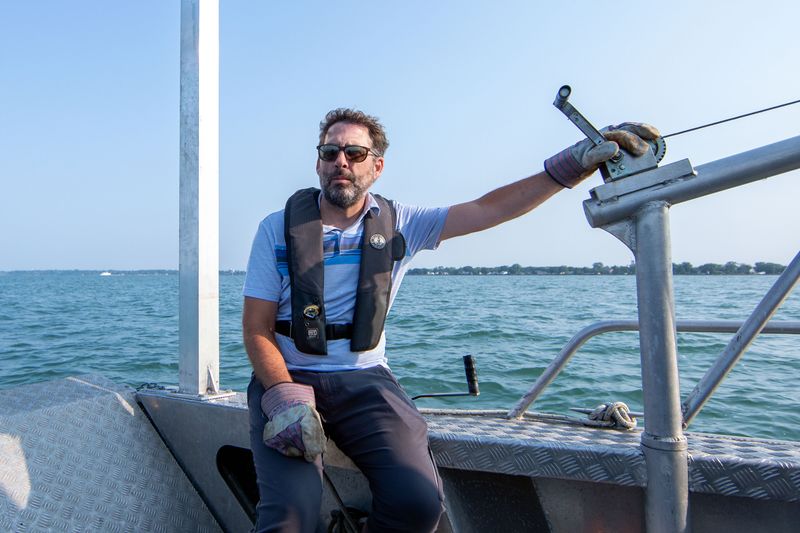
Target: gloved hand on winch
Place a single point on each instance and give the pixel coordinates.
(294, 427)
(571, 166)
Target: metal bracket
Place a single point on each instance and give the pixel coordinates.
(212, 385)
(653, 178)
(172, 392)
(624, 231)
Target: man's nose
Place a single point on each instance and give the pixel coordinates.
(341, 160)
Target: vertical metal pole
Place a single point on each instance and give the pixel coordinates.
(199, 198)
(663, 442)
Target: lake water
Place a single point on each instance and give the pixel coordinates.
(125, 327)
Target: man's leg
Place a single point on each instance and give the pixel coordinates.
(374, 423)
(290, 489)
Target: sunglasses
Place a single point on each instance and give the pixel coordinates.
(352, 152)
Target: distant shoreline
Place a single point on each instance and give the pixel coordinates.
(731, 268)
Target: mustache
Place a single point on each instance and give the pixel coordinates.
(349, 176)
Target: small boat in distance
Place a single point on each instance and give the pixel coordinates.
(105, 273)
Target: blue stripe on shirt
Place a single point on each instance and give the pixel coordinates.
(344, 256)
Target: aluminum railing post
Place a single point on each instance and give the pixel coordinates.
(636, 212)
(663, 442)
(198, 317)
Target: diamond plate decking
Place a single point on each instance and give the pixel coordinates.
(563, 448)
(78, 454)
(558, 447)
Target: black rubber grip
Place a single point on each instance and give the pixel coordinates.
(472, 375)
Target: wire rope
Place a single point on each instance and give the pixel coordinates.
(730, 119)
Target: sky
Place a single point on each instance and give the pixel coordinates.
(89, 106)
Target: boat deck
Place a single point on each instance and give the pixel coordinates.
(81, 453)
(561, 447)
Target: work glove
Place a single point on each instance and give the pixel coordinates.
(580, 160)
(294, 427)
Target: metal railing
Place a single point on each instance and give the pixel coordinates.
(744, 336)
(607, 326)
(635, 210)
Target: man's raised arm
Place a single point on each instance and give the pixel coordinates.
(498, 206)
(565, 169)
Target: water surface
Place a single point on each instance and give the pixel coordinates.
(124, 326)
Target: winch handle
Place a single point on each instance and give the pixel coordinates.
(472, 382)
(562, 96)
(472, 375)
(561, 103)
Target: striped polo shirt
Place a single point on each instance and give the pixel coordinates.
(268, 278)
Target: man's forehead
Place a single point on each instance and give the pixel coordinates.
(348, 129)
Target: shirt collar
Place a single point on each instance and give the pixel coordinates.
(370, 205)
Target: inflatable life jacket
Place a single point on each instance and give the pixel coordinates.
(381, 246)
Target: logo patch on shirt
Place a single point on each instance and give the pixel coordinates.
(377, 241)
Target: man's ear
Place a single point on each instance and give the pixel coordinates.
(378, 166)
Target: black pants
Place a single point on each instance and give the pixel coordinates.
(371, 419)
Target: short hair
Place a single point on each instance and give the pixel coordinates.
(343, 114)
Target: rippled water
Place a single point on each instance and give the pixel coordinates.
(55, 324)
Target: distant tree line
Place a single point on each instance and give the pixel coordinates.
(516, 269)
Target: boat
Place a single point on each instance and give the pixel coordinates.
(519, 471)
(85, 453)
(105, 273)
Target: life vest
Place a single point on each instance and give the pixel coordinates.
(381, 246)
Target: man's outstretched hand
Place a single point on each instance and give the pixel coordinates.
(294, 427)
(579, 161)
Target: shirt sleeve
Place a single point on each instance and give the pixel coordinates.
(263, 280)
(421, 226)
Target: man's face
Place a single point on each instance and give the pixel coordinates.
(344, 183)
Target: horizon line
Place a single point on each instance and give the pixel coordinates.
(236, 270)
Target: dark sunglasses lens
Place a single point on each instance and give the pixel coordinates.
(328, 152)
(355, 153)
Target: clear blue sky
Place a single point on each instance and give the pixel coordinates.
(89, 118)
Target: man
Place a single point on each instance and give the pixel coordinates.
(321, 277)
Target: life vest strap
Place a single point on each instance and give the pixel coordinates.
(332, 331)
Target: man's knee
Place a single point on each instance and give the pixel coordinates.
(413, 504)
(290, 490)
(295, 517)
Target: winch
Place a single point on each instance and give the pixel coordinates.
(624, 163)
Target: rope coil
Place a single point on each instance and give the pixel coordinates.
(611, 415)
(150, 386)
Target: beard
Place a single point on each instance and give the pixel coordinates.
(344, 195)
